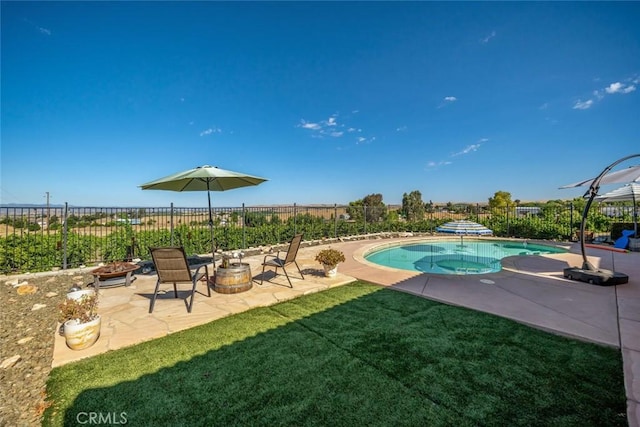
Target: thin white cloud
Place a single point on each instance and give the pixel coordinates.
(210, 131)
(468, 149)
(401, 129)
(583, 105)
(331, 128)
(618, 87)
(307, 125)
(447, 100)
(486, 39)
(436, 165)
(613, 88)
(41, 30)
(544, 106)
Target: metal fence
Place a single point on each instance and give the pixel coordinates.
(44, 238)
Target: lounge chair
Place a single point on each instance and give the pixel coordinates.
(623, 242)
(290, 258)
(172, 267)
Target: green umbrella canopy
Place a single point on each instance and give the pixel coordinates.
(203, 178)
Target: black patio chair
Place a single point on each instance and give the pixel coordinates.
(290, 258)
(172, 267)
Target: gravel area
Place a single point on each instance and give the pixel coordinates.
(27, 327)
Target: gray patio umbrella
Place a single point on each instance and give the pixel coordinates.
(630, 174)
(628, 192)
(204, 178)
(463, 226)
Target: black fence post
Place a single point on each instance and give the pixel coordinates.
(295, 215)
(171, 222)
(364, 209)
(64, 237)
(507, 217)
(570, 220)
(244, 232)
(431, 212)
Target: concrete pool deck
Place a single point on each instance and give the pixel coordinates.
(530, 290)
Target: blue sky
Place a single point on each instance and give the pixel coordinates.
(330, 101)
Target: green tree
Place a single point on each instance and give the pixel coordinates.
(429, 207)
(500, 199)
(413, 207)
(376, 210)
(233, 217)
(551, 208)
(255, 219)
(579, 204)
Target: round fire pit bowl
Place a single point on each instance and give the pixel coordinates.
(117, 273)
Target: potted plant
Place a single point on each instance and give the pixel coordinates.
(330, 258)
(80, 319)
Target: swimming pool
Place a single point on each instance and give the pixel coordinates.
(455, 256)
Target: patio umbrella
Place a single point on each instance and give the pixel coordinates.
(204, 178)
(630, 174)
(463, 227)
(625, 193)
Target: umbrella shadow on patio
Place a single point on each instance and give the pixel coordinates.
(267, 278)
(167, 294)
(535, 264)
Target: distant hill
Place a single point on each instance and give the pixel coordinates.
(30, 205)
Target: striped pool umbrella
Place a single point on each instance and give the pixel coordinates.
(463, 227)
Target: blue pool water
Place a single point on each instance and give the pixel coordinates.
(456, 256)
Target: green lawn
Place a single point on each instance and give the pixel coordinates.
(353, 355)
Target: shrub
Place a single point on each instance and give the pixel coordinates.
(330, 257)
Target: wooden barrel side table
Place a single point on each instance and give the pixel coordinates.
(234, 279)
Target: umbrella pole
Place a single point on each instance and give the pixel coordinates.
(213, 246)
(635, 216)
